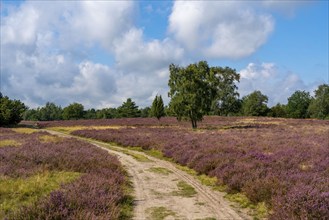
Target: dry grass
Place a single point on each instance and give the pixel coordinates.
(50, 138)
(9, 142)
(25, 130)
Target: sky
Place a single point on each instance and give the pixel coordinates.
(99, 53)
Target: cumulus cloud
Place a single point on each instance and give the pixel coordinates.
(133, 53)
(219, 29)
(271, 81)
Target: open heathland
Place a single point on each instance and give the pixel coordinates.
(43, 176)
(281, 163)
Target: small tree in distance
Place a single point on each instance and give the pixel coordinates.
(157, 109)
(196, 88)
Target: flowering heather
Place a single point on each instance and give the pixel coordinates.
(282, 162)
(97, 194)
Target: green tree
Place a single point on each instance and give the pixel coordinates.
(128, 109)
(319, 106)
(90, 114)
(254, 104)
(11, 111)
(31, 115)
(298, 104)
(195, 88)
(157, 109)
(145, 112)
(50, 112)
(224, 91)
(278, 111)
(73, 111)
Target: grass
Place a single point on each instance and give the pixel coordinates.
(25, 130)
(239, 198)
(160, 213)
(184, 190)
(50, 138)
(259, 211)
(15, 193)
(160, 170)
(9, 142)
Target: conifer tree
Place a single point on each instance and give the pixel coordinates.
(157, 109)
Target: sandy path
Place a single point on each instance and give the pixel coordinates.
(159, 193)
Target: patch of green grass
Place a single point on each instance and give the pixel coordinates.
(187, 170)
(261, 210)
(184, 190)
(9, 142)
(160, 170)
(16, 192)
(239, 198)
(212, 182)
(160, 213)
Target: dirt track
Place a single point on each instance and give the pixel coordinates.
(164, 192)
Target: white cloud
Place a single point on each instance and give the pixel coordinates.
(219, 29)
(271, 81)
(134, 54)
(20, 28)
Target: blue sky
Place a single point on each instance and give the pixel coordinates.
(99, 53)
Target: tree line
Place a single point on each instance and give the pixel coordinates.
(195, 91)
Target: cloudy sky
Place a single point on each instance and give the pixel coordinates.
(99, 53)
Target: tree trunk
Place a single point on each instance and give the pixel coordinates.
(194, 123)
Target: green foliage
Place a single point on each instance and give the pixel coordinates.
(319, 106)
(145, 112)
(254, 104)
(73, 111)
(298, 104)
(107, 113)
(90, 114)
(224, 91)
(128, 110)
(50, 112)
(278, 111)
(195, 88)
(157, 109)
(11, 111)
